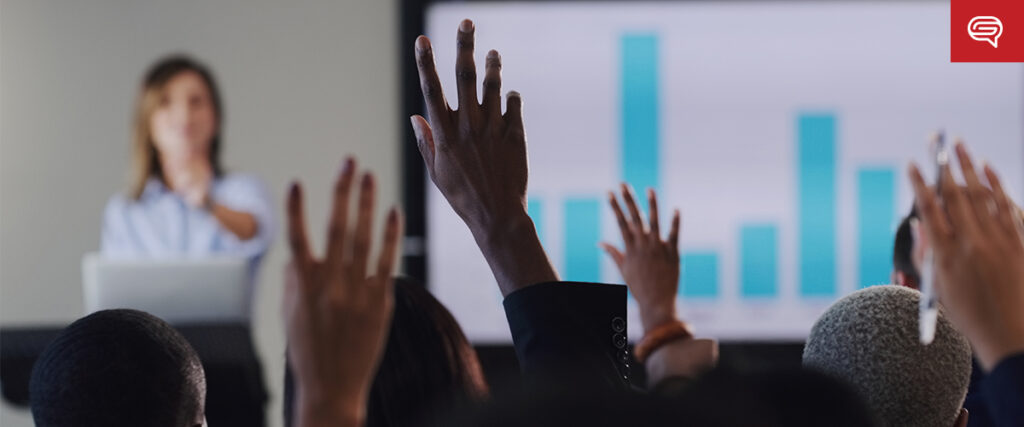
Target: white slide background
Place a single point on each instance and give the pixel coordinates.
(733, 77)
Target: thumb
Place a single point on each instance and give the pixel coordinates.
(613, 252)
(424, 140)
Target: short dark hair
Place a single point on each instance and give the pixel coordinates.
(428, 368)
(117, 368)
(903, 249)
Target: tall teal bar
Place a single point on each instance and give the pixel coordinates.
(816, 180)
(640, 111)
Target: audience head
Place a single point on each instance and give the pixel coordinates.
(428, 368)
(178, 118)
(904, 256)
(870, 339)
(118, 368)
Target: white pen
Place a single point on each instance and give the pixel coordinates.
(929, 308)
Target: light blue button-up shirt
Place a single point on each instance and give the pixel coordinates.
(161, 225)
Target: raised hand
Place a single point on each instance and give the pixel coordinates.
(978, 244)
(476, 156)
(649, 264)
(338, 309)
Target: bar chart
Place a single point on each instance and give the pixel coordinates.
(816, 148)
(784, 153)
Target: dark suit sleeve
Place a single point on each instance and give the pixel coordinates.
(976, 404)
(1004, 391)
(571, 333)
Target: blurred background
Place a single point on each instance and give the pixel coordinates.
(781, 129)
(303, 85)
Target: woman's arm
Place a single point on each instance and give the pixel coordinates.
(243, 225)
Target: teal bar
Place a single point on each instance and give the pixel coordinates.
(699, 278)
(640, 112)
(582, 234)
(816, 164)
(876, 206)
(535, 209)
(759, 261)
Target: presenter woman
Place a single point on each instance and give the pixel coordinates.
(181, 203)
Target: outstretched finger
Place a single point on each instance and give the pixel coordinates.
(1007, 214)
(424, 141)
(364, 224)
(430, 83)
(613, 252)
(961, 215)
(465, 70)
(492, 85)
(652, 206)
(634, 212)
(297, 239)
(933, 218)
(390, 248)
(978, 196)
(337, 229)
(627, 231)
(673, 232)
(514, 111)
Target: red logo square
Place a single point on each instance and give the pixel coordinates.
(986, 31)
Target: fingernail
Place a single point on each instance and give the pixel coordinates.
(368, 180)
(347, 165)
(422, 44)
(493, 54)
(513, 94)
(466, 26)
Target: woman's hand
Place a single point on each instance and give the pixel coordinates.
(192, 181)
(649, 265)
(338, 308)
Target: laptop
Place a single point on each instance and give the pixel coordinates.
(179, 291)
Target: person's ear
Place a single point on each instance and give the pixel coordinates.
(899, 278)
(961, 421)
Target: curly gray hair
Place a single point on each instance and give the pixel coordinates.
(870, 339)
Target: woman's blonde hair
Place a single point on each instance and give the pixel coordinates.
(145, 158)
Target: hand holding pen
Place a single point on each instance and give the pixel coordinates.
(977, 239)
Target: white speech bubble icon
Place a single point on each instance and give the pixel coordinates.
(985, 29)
